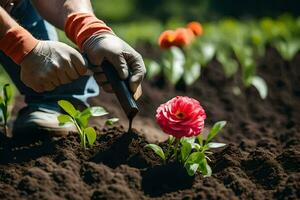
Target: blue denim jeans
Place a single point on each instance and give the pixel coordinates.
(78, 91)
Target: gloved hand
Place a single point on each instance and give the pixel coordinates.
(51, 64)
(122, 56)
(44, 64)
(99, 42)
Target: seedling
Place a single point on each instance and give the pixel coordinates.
(111, 121)
(5, 102)
(87, 134)
(193, 151)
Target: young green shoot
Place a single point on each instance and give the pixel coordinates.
(80, 120)
(5, 102)
(111, 121)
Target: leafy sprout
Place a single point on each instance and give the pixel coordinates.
(5, 102)
(193, 150)
(80, 120)
(111, 121)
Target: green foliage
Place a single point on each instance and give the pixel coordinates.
(215, 130)
(193, 150)
(5, 101)
(114, 10)
(111, 121)
(80, 120)
(260, 85)
(235, 44)
(145, 31)
(157, 150)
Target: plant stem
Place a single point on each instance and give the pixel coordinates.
(5, 116)
(82, 136)
(177, 140)
(168, 150)
(6, 129)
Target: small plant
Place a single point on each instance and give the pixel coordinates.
(5, 102)
(87, 134)
(111, 121)
(183, 119)
(178, 62)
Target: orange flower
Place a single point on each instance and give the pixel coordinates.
(180, 37)
(166, 39)
(196, 27)
(183, 37)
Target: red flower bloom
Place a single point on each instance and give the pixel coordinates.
(180, 37)
(181, 117)
(183, 37)
(166, 39)
(196, 27)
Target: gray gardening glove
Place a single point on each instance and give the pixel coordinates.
(51, 64)
(122, 56)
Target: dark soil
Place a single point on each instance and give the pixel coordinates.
(261, 161)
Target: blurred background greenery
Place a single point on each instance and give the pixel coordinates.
(253, 22)
(136, 21)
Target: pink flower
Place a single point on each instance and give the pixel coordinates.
(181, 117)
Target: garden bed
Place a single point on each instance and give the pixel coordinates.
(261, 160)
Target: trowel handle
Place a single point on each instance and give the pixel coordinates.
(120, 88)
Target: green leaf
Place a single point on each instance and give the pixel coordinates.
(195, 157)
(260, 85)
(208, 51)
(95, 111)
(192, 73)
(186, 149)
(203, 166)
(208, 171)
(8, 93)
(3, 108)
(174, 69)
(98, 111)
(171, 139)
(111, 121)
(187, 139)
(215, 129)
(200, 139)
(192, 168)
(196, 146)
(91, 135)
(1, 100)
(214, 145)
(64, 119)
(288, 49)
(68, 108)
(230, 65)
(157, 150)
(153, 69)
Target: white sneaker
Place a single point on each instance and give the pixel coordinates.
(33, 120)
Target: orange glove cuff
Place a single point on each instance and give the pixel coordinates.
(17, 43)
(80, 26)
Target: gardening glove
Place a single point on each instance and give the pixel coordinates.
(52, 64)
(122, 56)
(44, 64)
(99, 43)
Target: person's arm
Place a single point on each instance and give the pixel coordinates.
(57, 11)
(6, 22)
(44, 64)
(95, 38)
